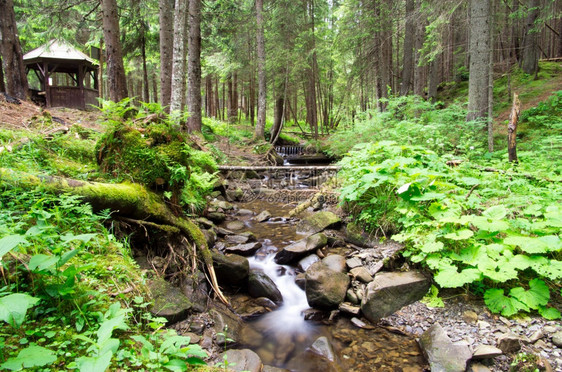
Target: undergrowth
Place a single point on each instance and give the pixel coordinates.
(480, 223)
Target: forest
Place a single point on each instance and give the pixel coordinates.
(442, 123)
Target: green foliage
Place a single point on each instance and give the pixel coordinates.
(547, 114)
(58, 264)
(468, 228)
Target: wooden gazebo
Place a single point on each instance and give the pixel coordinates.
(67, 77)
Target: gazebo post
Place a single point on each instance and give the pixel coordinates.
(81, 85)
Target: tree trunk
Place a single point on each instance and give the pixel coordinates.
(260, 39)
(115, 70)
(480, 50)
(166, 50)
(194, 67)
(145, 86)
(530, 58)
(408, 66)
(512, 129)
(178, 62)
(2, 86)
(129, 200)
(154, 89)
(10, 50)
(433, 80)
(419, 73)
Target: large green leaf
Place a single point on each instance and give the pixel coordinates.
(549, 313)
(432, 246)
(94, 364)
(31, 356)
(9, 242)
(13, 308)
(451, 278)
(497, 302)
(537, 295)
(528, 244)
(495, 213)
(460, 235)
(487, 224)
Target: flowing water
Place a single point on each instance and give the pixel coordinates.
(284, 337)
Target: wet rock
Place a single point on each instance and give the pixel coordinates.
(347, 307)
(231, 269)
(205, 223)
(273, 369)
(318, 222)
(300, 280)
(237, 239)
(216, 217)
(389, 292)
(509, 343)
(263, 216)
(196, 289)
(441, 353)
(220, 204)
(323, 348)
(210, 237)
(168, 301)
(244, 212)
(362, 274)
(235, 225)
(261, 285)
(352, 297)
(300, 249)
(486, 352)
(226, 322)
(247, 249)
(325, 288)
(315, 314)
(335, 262)
(477, 367)
(305, 263)
(235, 195)
(557, 338)
(361, 324)
(221, 231)
(353, 262)
(243, 360)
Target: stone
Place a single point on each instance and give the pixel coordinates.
(305, 263)
(352, 297)
(231, 269)
(244, 212)
(221, 231)
(354, 234)
(353, 262)
(300, 280)
(235, 225)
(323, 348)
(537, 335)
(243, 360)
(347, 307)
(196, 289)
(205, 223)
(300, 248)
(236, 239)
(362, 274)
(470, 316)
(261, 285)
(235, 195)
(318, 222)
(557, 339)
(486, 352)
(441, 353)
(221, 204)
(168, 301)
(390, 291)
(477, 367)
(263, 216)
(273, 369)
(325, 288)
(509, 343)
(335, 262)
(210, 237)
(315, 314)
(216, 217)
(361, 324)
(247, 249)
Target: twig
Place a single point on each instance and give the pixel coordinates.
(471, 190)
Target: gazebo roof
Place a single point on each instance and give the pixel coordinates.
(58, 50)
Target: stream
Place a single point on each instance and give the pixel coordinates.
(285, 336)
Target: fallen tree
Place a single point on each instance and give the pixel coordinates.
(126, 199)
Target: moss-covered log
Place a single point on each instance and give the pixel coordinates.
(127, 199)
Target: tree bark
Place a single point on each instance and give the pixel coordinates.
(166, 50)
(146, 85)
(115, 70)
(480, 50)
(530, 58)
(178, 63)
(408, 63)
(2, 86)
(194, 67)
(259, 133)
(10, 50)
(512, 129)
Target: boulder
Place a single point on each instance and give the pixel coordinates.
(301, 248)
(509, 343)
(441, 353)
(263, 216)
(237, 239)
(305, 263)
(335, 262)
(196, 289)
(354, 234)
(261, 285)
(216, 217)
(390, 291)
(168, 301)
(247, 249)
(235, 225)
(243, 360)
(231, 269)
(325, 288)
(323, 348)
(362, 274)
(318, 222)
